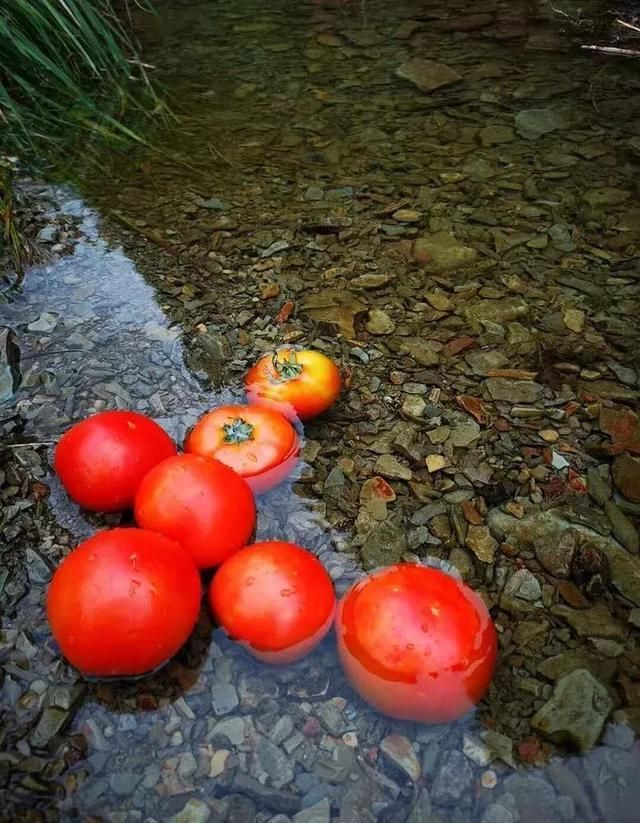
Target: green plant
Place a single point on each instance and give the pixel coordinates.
(67, 67)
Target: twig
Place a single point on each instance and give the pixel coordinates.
(628, 25)
(34, 445)
(613, 50)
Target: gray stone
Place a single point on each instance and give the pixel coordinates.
(277, 800)
(379, 323)
(384, 545)
(483, 360)
(534, 123)
(596, 621)
(623, 528)
(318, 813)
(194, 811)
(453, 778)
(331, 715)
(513, 391)
(521, 590)
(271, 762)
(599, 483)
(224, 698)
(231, 730)
(423, 351)
(626, 476)
(123, 784)
(46, 323)
(389, 466)
(427, 75)
(576, 711)
(282, 729)
(464, 434)
(557, 555)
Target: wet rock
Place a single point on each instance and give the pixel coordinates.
(557, 555)
(453, 778)
(599, 484)
(556, 667)
(423, 351)
(626, 476)
(123, 784)
(503, 310)
(389, 466)
(443, 252)
(623, 528)
(532, 797)
(385, 545)
(521, 590)
(336, 766)
(194, 811)
(495, 135)
(371, 281)
(336, 307)
(379, 323)
(482, 362)
(427, 75)
(574, 320)
(576, 711)
(464, 434)
(284, 802)
(481, 542)
(318, 813)
(513, 391)
(271, 763)
(224, 698)
(57, 712)
(9, 364)
(596, 621)
(534, 123)
(399, 752)
(331, 715)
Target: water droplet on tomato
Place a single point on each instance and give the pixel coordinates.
(250, 581)
(287, 592)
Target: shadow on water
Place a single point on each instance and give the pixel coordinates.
(317, 169)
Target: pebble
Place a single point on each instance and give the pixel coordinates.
(399, 752)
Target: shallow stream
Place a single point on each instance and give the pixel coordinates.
(444, 200)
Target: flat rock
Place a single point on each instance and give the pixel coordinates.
(534, 123)
(495, 135)
(513, 391)
(423, 351)
(482, 543)
(623, 529)
(443, 252)
(576, 711)
(389, 466)
(320, 812)
(371, 281)
(194, 811)
(453, 778)
(596, 621)
(379, 323)
(626, 476)
(503, 310)
(336, 307)
(428, 75)
(384, 545)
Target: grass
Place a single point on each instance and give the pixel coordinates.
(68, 68)
(70, 79)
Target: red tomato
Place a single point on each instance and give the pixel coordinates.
(256, 442)
(102, 460)
(123, 602)
(274, 598)
(416, 643)
(201, 503)
(298, 384)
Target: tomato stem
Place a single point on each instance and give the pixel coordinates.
(237, 431)
(288, 368)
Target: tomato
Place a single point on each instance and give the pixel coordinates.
(102, 459)
(256, 442)
(298, 384)
(201, 503)
(416, 643)
(274, 598)
(123, 602)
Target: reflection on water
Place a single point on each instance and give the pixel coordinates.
(432, 225)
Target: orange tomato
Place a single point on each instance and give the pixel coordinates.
(256, 442)
(199, 502)
(274, 598)
(102, 460)
(123, 602)
(298, 384)
(416, 643)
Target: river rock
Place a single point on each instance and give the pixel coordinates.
(423, 351)
(626, 476)
(398, 750)
(503, 310)
(443, 252)
(482, 543)
(427, 75)
(513, 391)
(623, 528)
(384, 545)
(379, 323)
(576, 711)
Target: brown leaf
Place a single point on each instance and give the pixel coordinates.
(459, 344)
(475, 407)
(623, 427)
(285, 312)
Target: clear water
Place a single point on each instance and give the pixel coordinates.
(296, 130)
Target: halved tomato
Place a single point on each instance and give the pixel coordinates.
(256, 442)
(298, 384)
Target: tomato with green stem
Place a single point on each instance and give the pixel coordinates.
(257, 442)
(416, 643)
(298, 384)
(274, 598)
(199, 502)
(123, 602)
